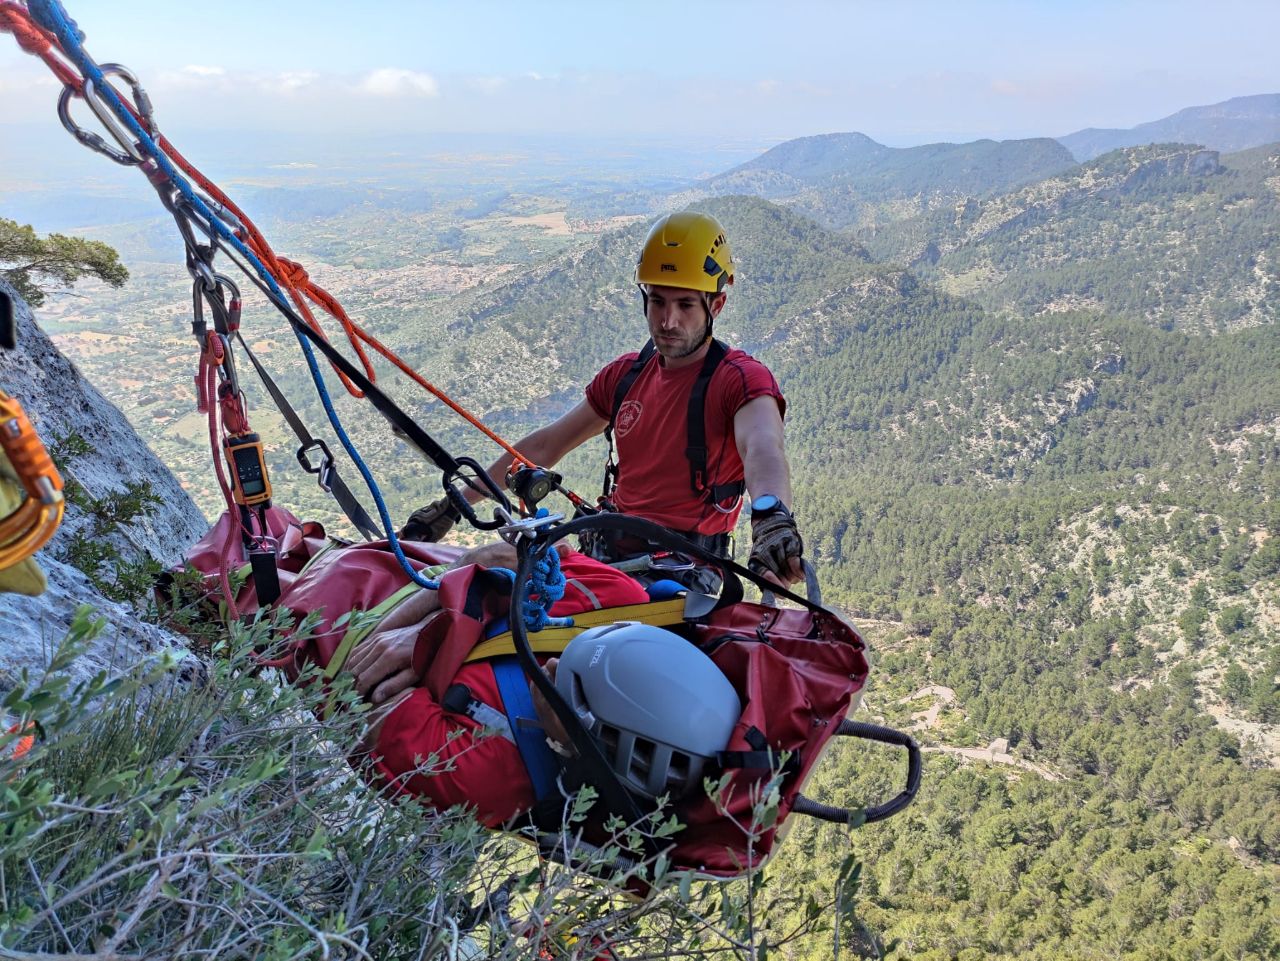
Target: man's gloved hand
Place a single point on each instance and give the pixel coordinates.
(430, 523)
(776, 548)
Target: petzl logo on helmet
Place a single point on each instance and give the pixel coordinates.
(595, 656)
(669, 268)
(628, 414)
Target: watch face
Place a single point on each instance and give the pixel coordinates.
(765, 502)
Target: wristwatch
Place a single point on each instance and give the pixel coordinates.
(767, 504)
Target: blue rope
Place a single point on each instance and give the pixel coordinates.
(51, 15)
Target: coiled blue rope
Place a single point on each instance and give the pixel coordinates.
(546, 586)
(51, 15)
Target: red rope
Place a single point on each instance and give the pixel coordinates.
(207, 379)
(37, 41)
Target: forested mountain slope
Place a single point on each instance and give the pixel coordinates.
(1174, 235)
(570, 316)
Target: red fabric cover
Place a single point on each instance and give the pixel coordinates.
(651, 431)
(484, 772)
(796, 687)
(355, 577)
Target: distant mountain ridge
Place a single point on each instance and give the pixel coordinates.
(1235, 124)
(848, 180)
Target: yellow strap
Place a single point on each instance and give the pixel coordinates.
(552, 640)
(356, 635)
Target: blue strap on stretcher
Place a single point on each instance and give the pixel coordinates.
(539, 760)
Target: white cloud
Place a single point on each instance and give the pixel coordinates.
(194, 76)
(394, 82)
(296, 79)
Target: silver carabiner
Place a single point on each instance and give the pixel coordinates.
(106, 116)
(203, 275)
(514, 530)
(129, 153)
(222, 213)
(87, 137)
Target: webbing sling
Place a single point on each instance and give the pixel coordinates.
(354, 510)
(354, 636)
(696, 428)
(530, 738)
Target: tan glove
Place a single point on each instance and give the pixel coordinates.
(776, 547)
(430, 523)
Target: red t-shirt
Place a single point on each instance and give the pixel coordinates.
(485, 773)
(651, 433)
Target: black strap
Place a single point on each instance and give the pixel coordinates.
(341, 492)
(760, 757)
(619, 395)
(696, 431)
(696, 436)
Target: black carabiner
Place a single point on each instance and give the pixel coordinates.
(323, 470)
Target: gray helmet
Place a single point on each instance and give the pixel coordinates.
(659, 707)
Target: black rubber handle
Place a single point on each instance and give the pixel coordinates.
(811, 587)
(884, 735)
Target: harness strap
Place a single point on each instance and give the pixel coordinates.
(619, 395)
(696, 451)
(760, 757)
(354, 636)
(539, 761)
(696, 428)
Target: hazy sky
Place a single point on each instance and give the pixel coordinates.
(903, 72)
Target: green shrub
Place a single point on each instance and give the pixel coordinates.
(218, 817)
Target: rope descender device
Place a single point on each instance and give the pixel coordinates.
(28, 528)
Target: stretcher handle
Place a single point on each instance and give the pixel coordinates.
(869, 732)
(812, 589)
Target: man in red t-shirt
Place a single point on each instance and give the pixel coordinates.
(682, 273)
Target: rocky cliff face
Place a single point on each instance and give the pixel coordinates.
(63, 405)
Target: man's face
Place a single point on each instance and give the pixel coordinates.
(678, 319)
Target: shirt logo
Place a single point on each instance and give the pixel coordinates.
(628, 414)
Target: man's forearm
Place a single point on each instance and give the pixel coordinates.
(766, 472)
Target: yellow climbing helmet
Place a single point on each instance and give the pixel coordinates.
(686, 250)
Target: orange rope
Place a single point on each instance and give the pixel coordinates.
(294, 278)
